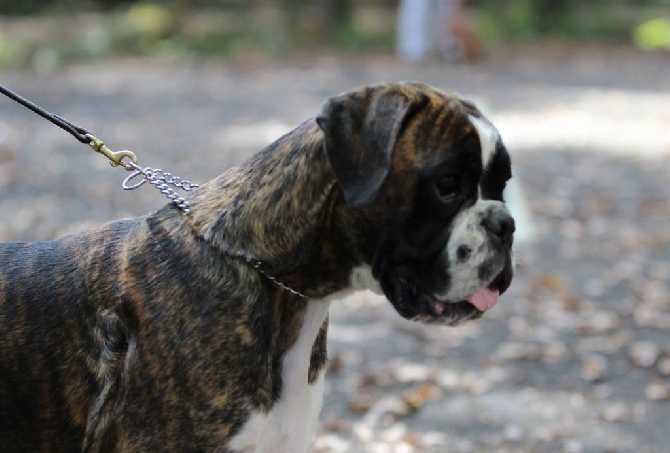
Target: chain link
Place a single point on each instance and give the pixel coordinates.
(258, 266)
(162, 181)
(282, 285)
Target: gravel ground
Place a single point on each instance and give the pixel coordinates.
(574, 358)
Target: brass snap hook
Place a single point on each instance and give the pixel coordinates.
(115, 157)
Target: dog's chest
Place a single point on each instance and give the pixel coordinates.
(289, 426)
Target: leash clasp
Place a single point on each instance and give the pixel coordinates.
(115, 157)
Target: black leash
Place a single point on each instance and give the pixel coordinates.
(157, 177)
(81, 134)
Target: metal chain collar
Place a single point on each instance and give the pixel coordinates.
(258, 265)
(162, 181)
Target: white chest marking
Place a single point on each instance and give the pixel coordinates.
(361, 279)
(290, 424)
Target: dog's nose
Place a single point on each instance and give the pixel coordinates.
(501, 224)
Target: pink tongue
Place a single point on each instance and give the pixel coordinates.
(484, 299)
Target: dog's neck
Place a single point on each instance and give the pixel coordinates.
(288, 236)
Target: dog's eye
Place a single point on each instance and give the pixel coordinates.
(447, 186)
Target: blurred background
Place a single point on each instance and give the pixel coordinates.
(46, 33)
(574, 358)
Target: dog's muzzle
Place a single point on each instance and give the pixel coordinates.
(466, 279)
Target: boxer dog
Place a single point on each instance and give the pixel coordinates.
(206, 331)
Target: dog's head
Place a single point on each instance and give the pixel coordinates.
(424, 173)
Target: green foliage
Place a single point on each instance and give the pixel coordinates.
(19, 8)
(355, 40)
(653, 34)
(11, 51)
(510, 21)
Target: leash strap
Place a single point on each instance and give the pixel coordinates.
(159, 179)
(77, 132)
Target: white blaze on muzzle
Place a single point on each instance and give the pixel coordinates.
(466, 279)
(470, 276)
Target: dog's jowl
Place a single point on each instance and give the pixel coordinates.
(207, 331)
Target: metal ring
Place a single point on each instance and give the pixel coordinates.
(126, 182)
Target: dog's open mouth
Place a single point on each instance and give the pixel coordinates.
(434, 311)
(483, 299)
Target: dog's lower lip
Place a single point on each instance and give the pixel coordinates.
(437, 307)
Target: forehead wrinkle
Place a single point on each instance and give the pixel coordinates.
(450, 123)
(426, 138)
(488, 138)
(443, 120)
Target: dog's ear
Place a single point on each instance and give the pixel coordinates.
(360, 129)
